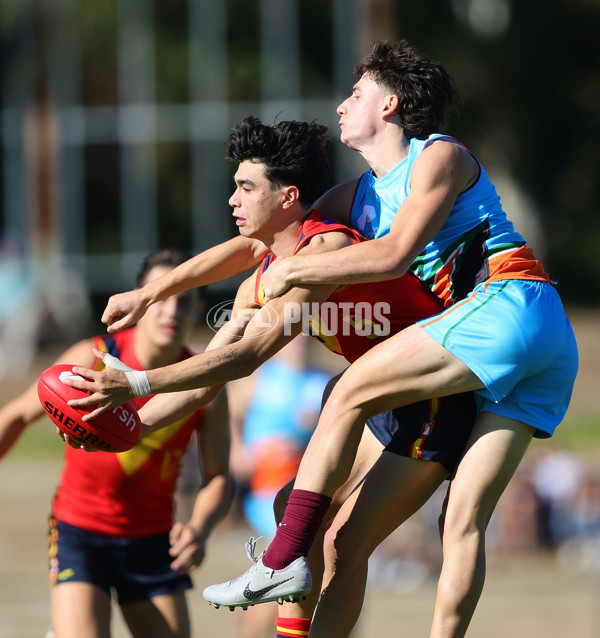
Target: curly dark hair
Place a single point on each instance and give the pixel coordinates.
(293, 154)
(424, 88)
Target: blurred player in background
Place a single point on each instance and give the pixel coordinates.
(112, 527)
(273, 414)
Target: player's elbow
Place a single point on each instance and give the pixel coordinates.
(389, 268)
(390, 263)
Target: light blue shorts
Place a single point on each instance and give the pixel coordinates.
(514, 335)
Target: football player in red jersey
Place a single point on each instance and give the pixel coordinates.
(405, 454)
(112, 529)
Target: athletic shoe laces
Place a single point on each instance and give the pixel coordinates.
(250, 547)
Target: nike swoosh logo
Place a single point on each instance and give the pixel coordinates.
(252, 595)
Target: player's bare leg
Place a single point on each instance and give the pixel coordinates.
(495, 449)
(369, 452)
(408, 367)
(393, 490)
(257, 621)
(163, 616)
(80, 610)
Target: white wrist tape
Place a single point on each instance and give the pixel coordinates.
(138, 379)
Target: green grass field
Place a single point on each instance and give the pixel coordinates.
(39, 441)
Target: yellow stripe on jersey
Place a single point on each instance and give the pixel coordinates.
(133, 459)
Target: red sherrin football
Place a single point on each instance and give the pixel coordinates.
(115, 430)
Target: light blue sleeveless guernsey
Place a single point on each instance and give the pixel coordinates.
(476, 243)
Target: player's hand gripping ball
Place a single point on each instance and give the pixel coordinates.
(115, 430)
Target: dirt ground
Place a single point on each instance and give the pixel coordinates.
(524, 597)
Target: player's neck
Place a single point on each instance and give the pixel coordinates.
(284, 241)
(153, 356)
(385, 151)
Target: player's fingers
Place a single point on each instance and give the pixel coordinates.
(120, 322)
(84, 402)
(99, 354)
(175, 533)
(84, 386)
(182, 542)
(114, 327)
(95, 413)
(83, 372)
(109, 316)
(187, 562)
(74, 443)
(180, 550)
(94, 399)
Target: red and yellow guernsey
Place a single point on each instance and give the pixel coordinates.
(356, 317)
(129, 494)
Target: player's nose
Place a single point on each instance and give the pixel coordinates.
(234, 200)
(170, 306)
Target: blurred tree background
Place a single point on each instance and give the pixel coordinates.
(115, 114)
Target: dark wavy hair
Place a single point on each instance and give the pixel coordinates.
(171, 257)
(424, 88)
(293, 154)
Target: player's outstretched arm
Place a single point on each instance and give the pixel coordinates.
(164, 409)
(25, 409)
(215, 264)
(16, 415)
(269, 329)
(439, 175)
(188, 540)
(266, 333)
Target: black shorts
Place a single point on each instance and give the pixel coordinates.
(433, 430)
(134, 568)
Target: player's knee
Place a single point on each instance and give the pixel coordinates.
(459, 524)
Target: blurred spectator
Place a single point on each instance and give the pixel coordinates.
(20, 311)
(40, 302)
(579, 550)
(517, 526)
(557, 477)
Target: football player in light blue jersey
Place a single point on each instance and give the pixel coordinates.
(429, 208)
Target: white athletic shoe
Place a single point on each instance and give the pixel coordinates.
(260, 584)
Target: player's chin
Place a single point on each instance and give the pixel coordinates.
(245, 230)
(168, 337)
(346, 142)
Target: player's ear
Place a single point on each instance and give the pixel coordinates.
(390, 105)
(291, 195)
